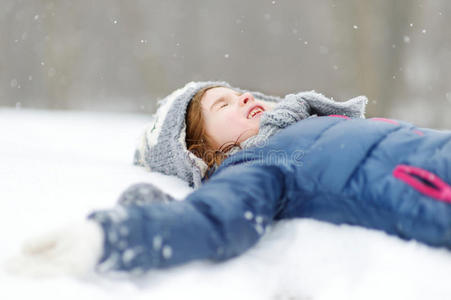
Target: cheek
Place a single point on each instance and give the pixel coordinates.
(235, 123)
(227, 127)
(227, 119)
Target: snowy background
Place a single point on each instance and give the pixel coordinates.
(58, 166)
(117, 56)
(79, 79)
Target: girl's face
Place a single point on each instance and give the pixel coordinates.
(230, 116)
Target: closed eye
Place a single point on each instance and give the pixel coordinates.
(223, 105)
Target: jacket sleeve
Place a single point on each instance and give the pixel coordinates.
(221, 219)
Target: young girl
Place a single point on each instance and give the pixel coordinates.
(255, 159)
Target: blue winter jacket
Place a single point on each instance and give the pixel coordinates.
(376, 173)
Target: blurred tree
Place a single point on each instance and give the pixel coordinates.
(123, 56)
(376, 48)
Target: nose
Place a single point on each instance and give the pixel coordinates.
(245, 98)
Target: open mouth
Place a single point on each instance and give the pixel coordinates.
(257, 110)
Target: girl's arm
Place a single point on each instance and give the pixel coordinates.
(221, 219)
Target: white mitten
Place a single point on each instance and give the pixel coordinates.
(73, 250)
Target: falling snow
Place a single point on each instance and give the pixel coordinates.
(248, 215)
(259, 228)
(112, 237)
(157, 242)
(128, 255)
(167, 252)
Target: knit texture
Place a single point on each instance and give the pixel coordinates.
(162, 147)
(296, 107)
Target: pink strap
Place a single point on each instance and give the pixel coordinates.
(418, 132)
(385, 120)
(414, 176)
(339, 116)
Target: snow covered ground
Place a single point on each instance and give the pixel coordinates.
(56, 167)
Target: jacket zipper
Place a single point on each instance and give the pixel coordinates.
(424, 181)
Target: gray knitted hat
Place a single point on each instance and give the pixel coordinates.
(162, 147)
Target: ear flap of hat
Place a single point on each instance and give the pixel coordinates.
(149, 137)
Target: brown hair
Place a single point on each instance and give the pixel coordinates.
(197, 141)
